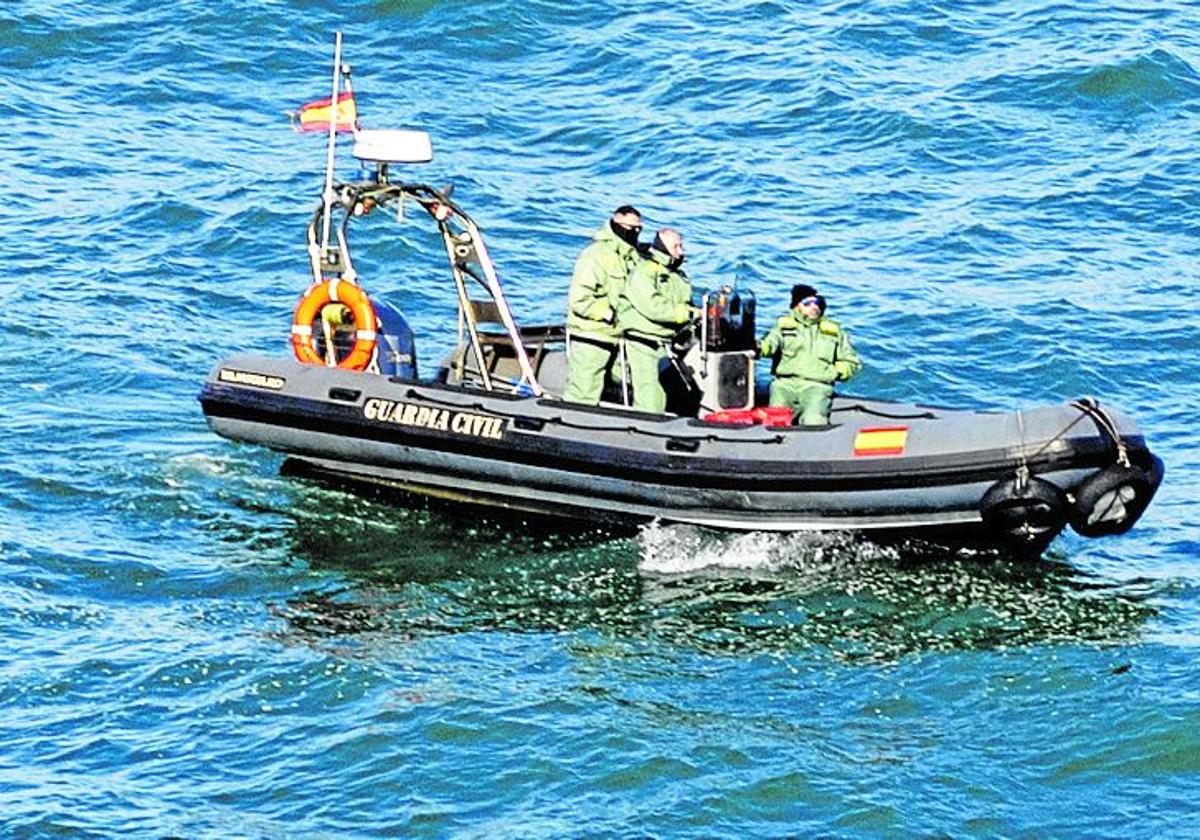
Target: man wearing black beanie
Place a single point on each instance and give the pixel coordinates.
(810, 353)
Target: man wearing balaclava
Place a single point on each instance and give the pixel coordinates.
(810, 353)
(656, 302)
(600, 274)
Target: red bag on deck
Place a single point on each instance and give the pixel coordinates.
(765, 415)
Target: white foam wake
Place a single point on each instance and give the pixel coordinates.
(678, 549)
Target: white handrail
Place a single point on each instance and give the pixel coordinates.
(493, 284)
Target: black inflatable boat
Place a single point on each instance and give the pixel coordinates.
(487, 426)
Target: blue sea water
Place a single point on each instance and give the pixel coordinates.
(1002, 203)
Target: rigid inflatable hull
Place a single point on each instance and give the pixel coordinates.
(880, 466)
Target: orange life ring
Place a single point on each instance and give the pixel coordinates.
(316, 298)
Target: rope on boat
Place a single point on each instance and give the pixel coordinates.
(874, 412)
(1102, 419)
(1088, 408)
(1022, 460)
(707, 438)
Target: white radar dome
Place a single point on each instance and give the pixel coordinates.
(393, 145)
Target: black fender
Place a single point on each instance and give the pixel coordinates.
(1025, 515)
(1110, 501)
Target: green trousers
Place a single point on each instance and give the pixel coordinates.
(589, 362)
(644, 360)
(809, 401)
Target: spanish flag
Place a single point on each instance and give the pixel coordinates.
(315, 116)
(886, 440)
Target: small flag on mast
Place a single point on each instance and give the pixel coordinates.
(315, 115)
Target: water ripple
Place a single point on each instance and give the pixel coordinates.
(998, 200)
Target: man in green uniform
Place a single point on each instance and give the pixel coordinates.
(654, 304)
(811, 352)
(600, 274)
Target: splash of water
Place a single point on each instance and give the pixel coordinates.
(681, 549)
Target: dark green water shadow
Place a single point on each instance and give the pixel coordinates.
(425, 569)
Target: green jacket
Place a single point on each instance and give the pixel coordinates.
(600, 274)
(818, 350)
(656, 301)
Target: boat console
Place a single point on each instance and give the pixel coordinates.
(721, 361)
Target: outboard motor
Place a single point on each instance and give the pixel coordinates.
(396, 346)
(722, 361)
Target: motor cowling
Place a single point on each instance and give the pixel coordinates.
(397, 344)
(1025, 513)
(1110, 501)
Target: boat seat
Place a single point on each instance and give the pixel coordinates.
(498, 345)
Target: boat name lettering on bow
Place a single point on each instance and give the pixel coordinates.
(437, 419)
(255, 380)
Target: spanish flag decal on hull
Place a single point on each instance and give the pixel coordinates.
(886, 440)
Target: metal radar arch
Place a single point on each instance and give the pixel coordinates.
(470, 264)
